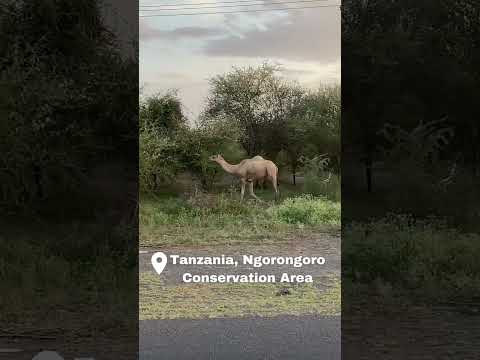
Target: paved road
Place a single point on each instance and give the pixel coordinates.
(280, 338)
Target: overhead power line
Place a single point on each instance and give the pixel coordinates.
(217, 3)
(243, 11)
(230, 6)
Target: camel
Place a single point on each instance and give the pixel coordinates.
(260, 182)
(250, 170)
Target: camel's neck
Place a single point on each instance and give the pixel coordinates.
(229, 168)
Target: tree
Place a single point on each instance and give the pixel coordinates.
(162, 112)
(311, 127)
(402, 63)
(168, 146)
(256, 99)
(66, 98)
(158, 159)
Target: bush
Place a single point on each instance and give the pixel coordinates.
(424, 256)
(320, 180)
(157, 159)
(328, 186)
(307, 210)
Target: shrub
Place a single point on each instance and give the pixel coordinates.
(307, 210)
(424, 256)
(157, 159)
(328, 186)
(319, 180)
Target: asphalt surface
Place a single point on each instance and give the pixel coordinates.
(280, 338)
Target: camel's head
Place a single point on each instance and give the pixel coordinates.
(216, 158)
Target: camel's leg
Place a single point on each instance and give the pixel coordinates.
(275, 187)
(242, 192)
(261, 184)
(250, 186)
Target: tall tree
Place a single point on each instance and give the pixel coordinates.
(66, 97)
(256, 98)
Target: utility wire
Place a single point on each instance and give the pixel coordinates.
(243, 11)
(262, 2)
(230, 6)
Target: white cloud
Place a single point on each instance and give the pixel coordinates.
(184, 52)
(313, 35)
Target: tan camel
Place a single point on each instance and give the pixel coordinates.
(250, 170)
(259, 182)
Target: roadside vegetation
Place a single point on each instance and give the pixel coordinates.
(219, 219)
(426, 259)
(414, 152)
(68, 110)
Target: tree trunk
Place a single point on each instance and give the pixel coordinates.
(294, 177)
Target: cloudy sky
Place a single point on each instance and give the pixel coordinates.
(183, 52)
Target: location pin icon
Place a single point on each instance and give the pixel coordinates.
(159, 260)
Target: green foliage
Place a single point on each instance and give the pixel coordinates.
(307, 210)
(158, 160)
(420, 146)
(198, 144)
(218, 218)
(76, 273)
(382, 45)
(425, 257)
(168, 146)
(252, 98)
(319, 180)
(161, 112)
(66, 99)
(250, 111)
(314, 126)
(276, 117)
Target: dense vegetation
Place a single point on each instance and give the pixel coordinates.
(188, 201)
(219, 219)
(250, 111)
(409, 103)
(69, 124)
(66, 101)
(410, 139)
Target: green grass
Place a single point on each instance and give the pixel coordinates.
(199, 301)
(221, 219)
(307, 210)
(425, 258)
